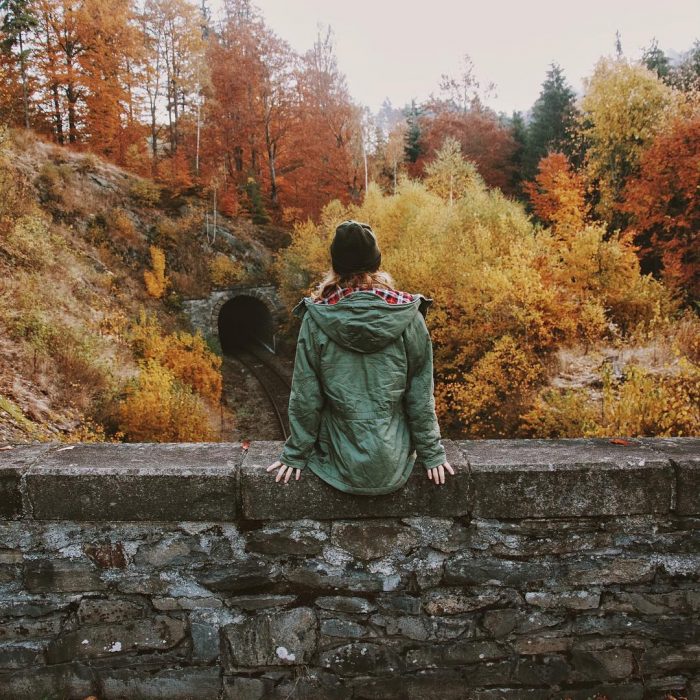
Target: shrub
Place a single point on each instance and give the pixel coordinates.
(72, 353)
(508, 292)
(560, 414)
(52, 179)
(158, 408)
(28, 242)
(89, 163)
(120, 227)
(167, 232)
(490, 399)
(186, 355)
(145, 192)
(155, 279)
(637, 404)
(592, 322)
(641, 403)
(224, 272)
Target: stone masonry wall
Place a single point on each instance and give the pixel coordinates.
(542, 569)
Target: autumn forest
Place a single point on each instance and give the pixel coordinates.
(560, 244)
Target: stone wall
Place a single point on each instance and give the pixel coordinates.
(542, 569)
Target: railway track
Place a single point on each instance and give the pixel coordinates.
(275, 385)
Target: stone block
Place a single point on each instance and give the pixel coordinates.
(539, 644)
(108, 482)
(455, 654)
(14, 462)
(259, 602)
(599, 570)
(103, 611)
(565, 478)
(442, 684)
(454, 602)
(567, 600)
(347, 604)
(165, 684)
(173, 550)
(550, 671)
(374, 539)
(681, 602)
(205, 642)
(358, 658)
(317, 575)
(603, 665)
(311, 497)
(16, 655)
(20, 628)
(242, 688)
(27, 605)
(336, 627)
(499, 623)
(399, 603)
(72, 680)
(93, 641)
(282, 638)
(664, 657)
(61, 575)
(684, 453)
(469, 569)
(313, 685)
(246, 575)
(286, 539)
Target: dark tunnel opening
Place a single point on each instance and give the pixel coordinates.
(244, 321)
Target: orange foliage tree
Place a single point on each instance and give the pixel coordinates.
(277, 122)
(665, 207)
(557, 194)
(484, 140)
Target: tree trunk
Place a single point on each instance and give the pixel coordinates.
(271, 159)
(23, 69)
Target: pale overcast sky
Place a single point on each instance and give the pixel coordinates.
(399, 49)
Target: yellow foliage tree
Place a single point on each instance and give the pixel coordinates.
(449, 175)
(155, 278)
(507, 293)
(624, 106)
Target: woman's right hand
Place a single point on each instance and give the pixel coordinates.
(437, 474)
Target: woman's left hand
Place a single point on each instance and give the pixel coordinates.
(283, 469)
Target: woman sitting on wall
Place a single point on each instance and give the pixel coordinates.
(361, 408)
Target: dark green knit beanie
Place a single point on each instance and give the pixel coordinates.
(354, 248)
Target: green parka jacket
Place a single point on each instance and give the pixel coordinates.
(361, 408)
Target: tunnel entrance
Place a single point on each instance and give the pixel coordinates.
(244, 321)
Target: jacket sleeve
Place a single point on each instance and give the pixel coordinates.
(419, 399)
(306, 400)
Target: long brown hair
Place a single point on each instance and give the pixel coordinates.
(333, 279)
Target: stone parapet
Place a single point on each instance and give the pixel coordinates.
(542, 569)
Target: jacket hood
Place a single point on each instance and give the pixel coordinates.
(363, 321)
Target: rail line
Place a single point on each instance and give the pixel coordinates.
(275, 385)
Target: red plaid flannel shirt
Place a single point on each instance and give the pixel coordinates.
(391, 296)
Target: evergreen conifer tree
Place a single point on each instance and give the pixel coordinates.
(551, 120)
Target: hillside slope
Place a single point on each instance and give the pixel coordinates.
(75, 237)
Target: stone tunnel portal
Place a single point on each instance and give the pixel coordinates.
(243, 321)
